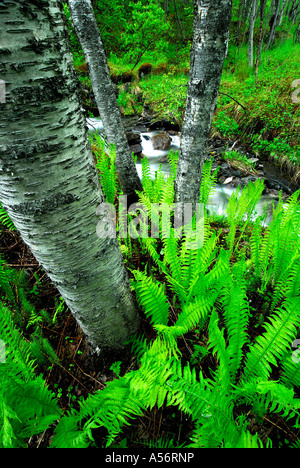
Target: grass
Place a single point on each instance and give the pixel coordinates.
(266, 119)
(239, 161)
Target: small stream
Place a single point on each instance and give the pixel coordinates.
(219, 199)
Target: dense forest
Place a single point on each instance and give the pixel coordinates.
(149, 224)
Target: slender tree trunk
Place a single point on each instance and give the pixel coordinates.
(261, 33)
(178, 21)
(48, 181)
(274, 25)
(297, 34)
(211, 34)
(251, 33)
(88, 33)
(166, 7)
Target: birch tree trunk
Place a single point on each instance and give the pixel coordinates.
(260, 42)
(211, 34)
(251, 33)
(88, 33)
(48, 181)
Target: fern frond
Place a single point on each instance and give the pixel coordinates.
(280, 332)
(173, 161)
(149, 383)
(290, 371)
(216, 343)
(17, 349)
(151, 297)
(147, 179)
(195, 313)
(210, 408)
(167, 193)
(68, 433)
(5, 219)
(27, 405)
(208, 181)
(274, 397)
(236, 314)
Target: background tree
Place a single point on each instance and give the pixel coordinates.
(88, 34)
(48, 181)
(253, 14)
(146, 31)
(211, 34)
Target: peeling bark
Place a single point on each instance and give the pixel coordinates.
(48, 181)
(211, 35)
(88, 33)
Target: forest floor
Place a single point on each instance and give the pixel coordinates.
(77, 375)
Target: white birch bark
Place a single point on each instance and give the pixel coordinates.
(211, 34)
(253, 15)
(48, 181)
(88, 33)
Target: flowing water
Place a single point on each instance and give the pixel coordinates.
(219, 199)
(154, 156)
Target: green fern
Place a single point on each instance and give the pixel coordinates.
(152, 298)
(5, 219)
(27, 407)
(107, 168)
(208, 181)
(269, 348)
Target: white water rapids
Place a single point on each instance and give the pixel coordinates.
(219, 199)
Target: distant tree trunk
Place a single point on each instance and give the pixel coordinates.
(178, 21)
(211, 33)
(251, 33)
(166, 7)
(261, 33)
(88, 33)
(297, 34)
(48, 181)
(275, 22)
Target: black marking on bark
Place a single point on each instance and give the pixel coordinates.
(47, 205)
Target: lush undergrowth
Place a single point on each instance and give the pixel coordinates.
(214, 364)
(261, 114)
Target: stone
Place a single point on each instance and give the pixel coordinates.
(164, 160)
(133, 138)
(161, 141)
(136, 149)
(228, 180)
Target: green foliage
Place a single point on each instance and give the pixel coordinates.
(241, 361)
(209, 292)
(240, 161)
(27, 407)
(14, 285)
(203, 292)
(226, 125)
(106, 167)
(5, 219)
(139, 37)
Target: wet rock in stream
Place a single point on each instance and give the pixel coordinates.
(161, 141)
